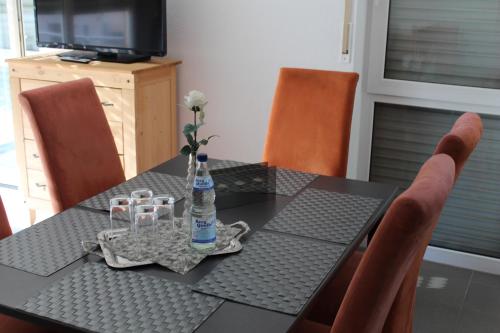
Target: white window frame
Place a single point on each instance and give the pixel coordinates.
(418, 94)
(14, 17)
(377, 84)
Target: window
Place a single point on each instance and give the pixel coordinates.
(453, 42)
(12, 45)
(405, 136)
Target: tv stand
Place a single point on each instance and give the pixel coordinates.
(87, 56)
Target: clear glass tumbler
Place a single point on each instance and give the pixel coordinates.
(164, 204)
(142, 196)
(119, 212)
(146, 229)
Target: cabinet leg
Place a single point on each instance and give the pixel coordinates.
(32, 216)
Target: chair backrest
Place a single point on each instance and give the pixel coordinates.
(76, 146)
(461, 140)
(310, 123)
(5, 230)
(381, 295)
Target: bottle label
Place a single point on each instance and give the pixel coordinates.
(203, 183)
(203, 229)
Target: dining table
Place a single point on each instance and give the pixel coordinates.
(302, 232)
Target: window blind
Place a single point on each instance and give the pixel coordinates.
(404, 137)
(455, 42)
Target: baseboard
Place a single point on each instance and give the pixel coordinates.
(463, 260)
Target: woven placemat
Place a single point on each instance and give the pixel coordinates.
(48, 246)
(280, 181)
(331, 216)
(289, 182)
(159, 183)
(99, 299)
(274, 271)
(225, 164)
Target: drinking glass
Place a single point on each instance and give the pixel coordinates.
(119, 212)
(145, 228)
(164, 204)
(139, 197)
(142, 196)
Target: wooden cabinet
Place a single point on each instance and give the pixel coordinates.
(139, 101)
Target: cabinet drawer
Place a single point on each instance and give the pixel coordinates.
(111, 99)
(122, 161)
(32, 156)
(37, 185)
(116, 130)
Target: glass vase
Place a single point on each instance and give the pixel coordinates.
(188, 196)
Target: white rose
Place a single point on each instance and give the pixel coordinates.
(195, 98)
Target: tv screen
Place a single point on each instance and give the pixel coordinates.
(135, 26)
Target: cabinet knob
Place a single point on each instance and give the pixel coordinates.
(43, 186)
(107, 104)
(36, 156)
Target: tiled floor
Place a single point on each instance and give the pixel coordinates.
(457, 300)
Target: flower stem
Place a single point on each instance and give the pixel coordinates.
(196, 130)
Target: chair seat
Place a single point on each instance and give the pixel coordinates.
(327, 303)
(12, 325)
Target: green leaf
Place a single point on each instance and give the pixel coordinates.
(190, 139)
(204, 142)
(189, 128)
(186, 150)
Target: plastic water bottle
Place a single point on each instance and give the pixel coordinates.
(203, 218)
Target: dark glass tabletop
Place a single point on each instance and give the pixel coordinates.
(255, 208)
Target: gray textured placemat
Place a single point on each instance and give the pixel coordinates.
(282, 181)
(48, 246)
(225, 164)
(289, 182)
(274, 271)
(99, 299)
(331, 216)
(159, 183)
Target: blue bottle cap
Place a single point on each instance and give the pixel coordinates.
(202, 157)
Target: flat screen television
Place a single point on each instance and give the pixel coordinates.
(113, 30)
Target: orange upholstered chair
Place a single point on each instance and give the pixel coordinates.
(76, 146)
(310, 122)
(9, 324)
(381, 295)
(461, 140)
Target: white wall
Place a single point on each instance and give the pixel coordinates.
(232, 50)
